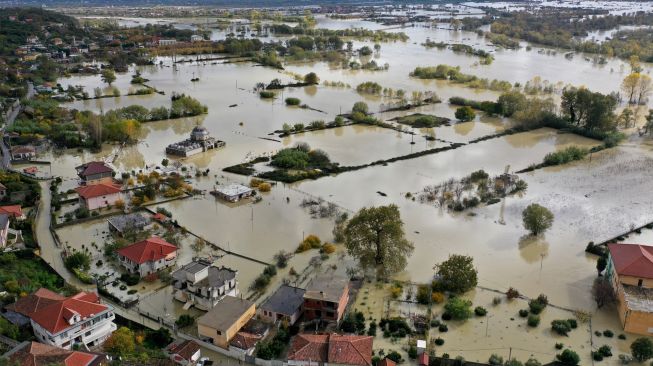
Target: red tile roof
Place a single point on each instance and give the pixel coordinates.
(632, 259)
(185, 349)
(34, 301)
(13, 210)
(332, 348)
(97, 190)
(151, 249)
(92, 168)
(387, 362)
(38, 354)
(23, 150)
(245, 340)
(423, 359)
(55, 317)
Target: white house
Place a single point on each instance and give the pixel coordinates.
(79, 319)
(100, 195)
(201, 284)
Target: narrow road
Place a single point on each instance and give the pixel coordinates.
(49, 250)
(6, 155)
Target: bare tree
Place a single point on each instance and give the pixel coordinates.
(602, 292)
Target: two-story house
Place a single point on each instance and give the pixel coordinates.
(78, 319)
(147, 256)
(201, 284)
(221, 324)
(630, 271)
(98, 195)
(326, 298)
(95, 172)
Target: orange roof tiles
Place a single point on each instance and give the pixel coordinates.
(151, 249)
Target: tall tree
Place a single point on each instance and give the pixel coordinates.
(457, 274)
(537, 219)
(629, 86)
(644, 88)
(375, 236)
(108, 76)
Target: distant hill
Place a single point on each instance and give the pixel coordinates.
(222, 3)
(16, 24)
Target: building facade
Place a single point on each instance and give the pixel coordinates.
(285, 305)
(220, 324)
(630, 271)
(201, 284)
(326, 298)
(98, 195)
(147, 256)
(79, 319)
(95, 172)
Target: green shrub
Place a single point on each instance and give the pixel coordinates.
(443, 328)
(266, 94)
(533, 320)
(605, 351)
(458, 308)
(567, 155)
(439, 341)
(293, 101)
(568, 357)
(561, 327)
(608, 333)
(523, 313)
(185, 320)
(559, 346)
(480, 311)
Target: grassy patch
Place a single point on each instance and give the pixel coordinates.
(419, 120)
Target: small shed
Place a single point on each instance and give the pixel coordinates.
(421, 347)
(233, 192)
(123, 223)
(423, 359)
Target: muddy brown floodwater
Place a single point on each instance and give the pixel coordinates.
(593, 200)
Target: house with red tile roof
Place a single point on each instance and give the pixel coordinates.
(332, 349)
(147, 256)
(630, 271)
(245, 342)
(65, 321)
(15, 211)
(184, 353)
(38, 354)
(20, 311)
(95, 172)
(99, 195)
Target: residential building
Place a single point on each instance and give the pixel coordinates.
(167, 42)
(331, 349)
(220, 324)
(201, 284)
(98, 195)
(196, 38)
(233, 192)
(14, 211)
(26, 152)
(285, 305)
(95, 172)
(184, 352)
(131, 222)
(78, 319)
(19, 312)
(245, 342)
(39, 354)
(326, 298)
(630, 271)
(147, 256)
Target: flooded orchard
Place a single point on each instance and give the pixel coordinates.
(594, 199)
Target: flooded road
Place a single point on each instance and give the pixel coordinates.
(592, 200)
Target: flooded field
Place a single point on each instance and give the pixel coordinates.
(594, 199)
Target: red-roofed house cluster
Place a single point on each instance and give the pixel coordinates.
(64, 321)
(38, 354)
(630, 270)
(321, 349)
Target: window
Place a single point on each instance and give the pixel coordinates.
(218, 332)
(640, 282)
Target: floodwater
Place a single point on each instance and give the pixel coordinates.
(592, 200)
